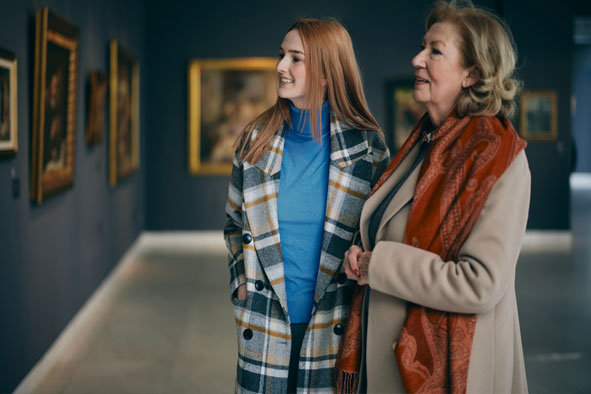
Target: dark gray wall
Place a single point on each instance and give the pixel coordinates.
(54, 255)
(543, 32)
(582, 116)
(386, 36)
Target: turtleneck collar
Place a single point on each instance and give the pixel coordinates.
(304, 128)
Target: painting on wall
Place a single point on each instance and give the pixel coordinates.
(224, 95)
(404, 112)
(54, 105)
(538, 117)
(124, 135)
(97, 98)
(8, 103)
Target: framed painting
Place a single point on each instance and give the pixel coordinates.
(124, 109)
(404, 112)
(54, 105)
(224, 95)
(538, 115)
(8, 103)
(97, 97)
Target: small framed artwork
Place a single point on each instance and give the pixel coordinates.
(124, 109)
(224, 96)
(54, 105)
(8, 103)
(538, 115)
(97, 97)
(404, 112)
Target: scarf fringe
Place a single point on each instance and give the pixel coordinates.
(346, 382)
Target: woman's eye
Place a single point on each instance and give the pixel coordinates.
(422, 47)
(296, 60)
(280, 56)
(435, 51)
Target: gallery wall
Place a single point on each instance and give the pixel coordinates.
(55, 254)
(177, 200)
(386, 36)
(543, 32)
(582, 115)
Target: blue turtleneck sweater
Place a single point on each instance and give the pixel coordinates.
(301, 207)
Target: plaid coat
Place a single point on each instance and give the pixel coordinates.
(252, 236)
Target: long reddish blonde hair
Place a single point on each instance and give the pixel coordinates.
(329, 55)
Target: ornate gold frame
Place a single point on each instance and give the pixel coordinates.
(8, 62)
(195, 163)
(116, 169)
(54, 29)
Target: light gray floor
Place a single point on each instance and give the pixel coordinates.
(164, 323)
(554, 297)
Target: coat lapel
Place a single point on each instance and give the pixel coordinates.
(348, 187)
(402, 197)
(346, 194)
(261, 188)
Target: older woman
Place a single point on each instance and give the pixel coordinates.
(442, 230)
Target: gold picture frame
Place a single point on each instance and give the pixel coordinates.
(8, 103)
(538, 116)
(224, 95)
(124, 107)
(54, 105)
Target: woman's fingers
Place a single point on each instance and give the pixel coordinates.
(354, 254)
(349, 272)
(352, 262)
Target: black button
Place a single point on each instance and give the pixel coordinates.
(247, 238)
(339, 329)
(247, 334)
(259, 285)
(342, 278)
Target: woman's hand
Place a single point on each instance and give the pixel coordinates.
(357, 264)
(241, 292)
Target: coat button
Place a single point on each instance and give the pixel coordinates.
(339, 329)
(247, 238)
(259, 285)
(247, 334)
(342, 278)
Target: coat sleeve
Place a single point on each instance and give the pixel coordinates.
(381, 158)
(233, 227)
(486, 262)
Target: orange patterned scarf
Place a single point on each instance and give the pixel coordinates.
(464, 161)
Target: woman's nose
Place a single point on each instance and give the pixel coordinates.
(418, 60)
(280, 65)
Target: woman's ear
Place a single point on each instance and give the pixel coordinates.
(472, 77)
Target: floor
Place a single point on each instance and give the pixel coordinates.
(554, 296)
(162, 322)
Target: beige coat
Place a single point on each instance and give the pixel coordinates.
(481, 282)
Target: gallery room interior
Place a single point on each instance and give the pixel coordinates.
(113, 268)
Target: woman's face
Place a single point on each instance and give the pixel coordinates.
(440, 74)
(291, 70)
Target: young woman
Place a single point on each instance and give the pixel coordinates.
(300, 176)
